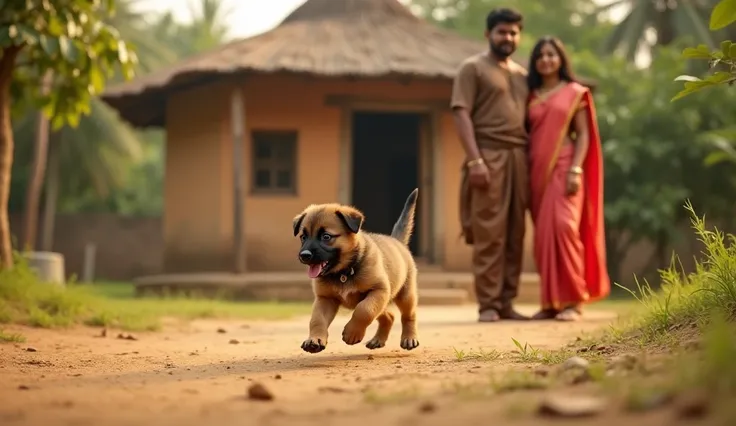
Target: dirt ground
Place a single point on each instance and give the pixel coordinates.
(189, 374)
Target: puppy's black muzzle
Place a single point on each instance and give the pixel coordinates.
(305, 256)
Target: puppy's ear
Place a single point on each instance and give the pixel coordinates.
(298, 223)
(352, 218)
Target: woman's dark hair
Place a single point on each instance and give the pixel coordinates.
(534, 79)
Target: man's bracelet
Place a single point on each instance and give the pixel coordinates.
(475, 162)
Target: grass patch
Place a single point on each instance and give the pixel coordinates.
(26, 300)
(6, 337)
(682, 337)
(476, 355)
(689, 302)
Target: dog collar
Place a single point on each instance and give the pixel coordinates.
(344, 276)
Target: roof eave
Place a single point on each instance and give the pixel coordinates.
(146, 107)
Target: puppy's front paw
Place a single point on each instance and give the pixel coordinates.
(375, 343)
(352, 334)
(409, 343)
(314, 345)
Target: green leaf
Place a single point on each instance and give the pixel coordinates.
(724, 14)
(693, 86)
(57, 122)
(68, 49)
(50, 45)
(28, 34)
(55, 27)
(681, 94)
(726, 48)
(719, 78)
(686, 78)
(700, 52)
(732, 52)
(97, 79)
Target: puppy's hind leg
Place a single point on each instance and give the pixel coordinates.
(385, 322)
(406, 301)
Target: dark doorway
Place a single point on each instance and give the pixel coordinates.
(386, 168)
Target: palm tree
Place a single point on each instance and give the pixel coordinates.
(669, 20)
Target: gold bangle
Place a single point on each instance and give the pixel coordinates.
(576, 170)
(475, 162)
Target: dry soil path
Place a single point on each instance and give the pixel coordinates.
(193, 374)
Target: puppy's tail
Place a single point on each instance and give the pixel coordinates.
(405, 225)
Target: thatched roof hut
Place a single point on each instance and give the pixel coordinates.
(345, 100)
(334, 38)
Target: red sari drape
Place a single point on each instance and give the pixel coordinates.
(569, 240)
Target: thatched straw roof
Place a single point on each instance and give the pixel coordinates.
(330, 38)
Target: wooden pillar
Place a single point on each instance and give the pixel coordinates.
(237, 111)
(439, 204)
(345, 185)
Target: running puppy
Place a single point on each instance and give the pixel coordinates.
(358, 270)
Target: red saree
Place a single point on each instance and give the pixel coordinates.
(569, 243)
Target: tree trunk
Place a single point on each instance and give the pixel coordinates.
(35, 183)
(7, 65)
(665, 27)
(51, 194)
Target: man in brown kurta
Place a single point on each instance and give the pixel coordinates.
(489, 105)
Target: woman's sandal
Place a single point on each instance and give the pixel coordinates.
(569, 314)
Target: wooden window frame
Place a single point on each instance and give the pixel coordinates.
(273, 164)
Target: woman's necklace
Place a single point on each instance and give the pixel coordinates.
(543, 90)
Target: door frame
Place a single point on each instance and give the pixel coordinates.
(430, 204)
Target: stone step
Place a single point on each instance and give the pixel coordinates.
(291, 286)
(429, 297)
(528, 285)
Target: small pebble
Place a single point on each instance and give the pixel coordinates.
(650, 402)
(692, 406)
(627, 361)
(277, 377)
(541, 372)
(126, 337)
(575, 362)
(234, 341)
(259, 392)
(30, 349)
(428, 407)
(221, 330)
(571, 406)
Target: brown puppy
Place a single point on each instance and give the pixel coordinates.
(358, 270)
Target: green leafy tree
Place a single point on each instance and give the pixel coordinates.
(722, 61)
(652, 152)
(723, 64)
(68, 37)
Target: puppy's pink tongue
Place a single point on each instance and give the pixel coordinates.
(314, 270)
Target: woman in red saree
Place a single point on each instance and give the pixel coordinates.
(566, 177)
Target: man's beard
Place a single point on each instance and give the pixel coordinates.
(503, 50)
